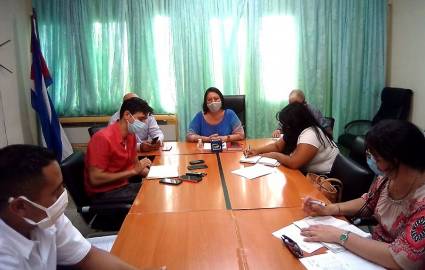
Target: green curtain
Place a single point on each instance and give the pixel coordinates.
(169, 52)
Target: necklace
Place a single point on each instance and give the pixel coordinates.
(400, 200)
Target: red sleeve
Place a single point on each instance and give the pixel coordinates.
(408, 249)
(98, 152)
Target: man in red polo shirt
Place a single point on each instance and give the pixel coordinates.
(111, 157)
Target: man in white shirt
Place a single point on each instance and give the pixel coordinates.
(34, 232)
(297, 96)
(145, 138)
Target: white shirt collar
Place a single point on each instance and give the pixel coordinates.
(22, 243)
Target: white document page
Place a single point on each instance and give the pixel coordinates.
(338, 261)
(103, 242)
(252, 159)
(329, 220)
(269, 161)
(163, 171)
(254, 171)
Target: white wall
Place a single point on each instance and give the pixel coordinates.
(407, 53)
(19, 124)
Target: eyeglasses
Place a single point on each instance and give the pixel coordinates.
(292, 246)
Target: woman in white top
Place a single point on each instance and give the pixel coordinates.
(305, 144)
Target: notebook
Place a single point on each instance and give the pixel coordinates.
(260, 160)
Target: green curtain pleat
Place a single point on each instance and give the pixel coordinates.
(98, 50)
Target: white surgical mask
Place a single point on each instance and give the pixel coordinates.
(53, 212)
(214, 106)
(137, 126)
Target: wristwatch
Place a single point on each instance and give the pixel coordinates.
(344, 237)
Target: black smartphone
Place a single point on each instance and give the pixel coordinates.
(170, 181)
(198, 166)
(198, 161)
(200, 174)
(154, 140)
(190, 178)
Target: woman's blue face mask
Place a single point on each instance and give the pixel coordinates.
(372, 164)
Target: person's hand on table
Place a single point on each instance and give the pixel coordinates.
(214, 136)
(322, 233)
(276, 133)
(249, 152)
(312, 208)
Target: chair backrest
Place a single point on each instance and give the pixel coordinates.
(355, 178)
(237, 104)
(395, 104)
(96, 128)
(73, 177)
(358, 151)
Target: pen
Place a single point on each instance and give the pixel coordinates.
(246, 152)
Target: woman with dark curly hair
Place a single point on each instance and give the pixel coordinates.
(396, 200)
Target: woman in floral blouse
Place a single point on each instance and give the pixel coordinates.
(396, 151)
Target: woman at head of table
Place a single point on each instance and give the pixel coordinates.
(215, 121)
(396, 199)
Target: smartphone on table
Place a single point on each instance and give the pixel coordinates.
(198, 166)
(170, 181)
(198, 161)
(191, 178)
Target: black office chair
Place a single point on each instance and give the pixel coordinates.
(355, 178)
(107, 217)
(395, 104)
(358, 151)
(237, 104)
(93, 129)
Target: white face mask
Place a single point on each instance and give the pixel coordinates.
(214, 106)
(53, 212)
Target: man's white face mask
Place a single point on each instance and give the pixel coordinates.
(53, 212)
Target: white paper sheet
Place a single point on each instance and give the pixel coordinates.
(254, 171)
(163, 171)
(103, 242)
(338, 261)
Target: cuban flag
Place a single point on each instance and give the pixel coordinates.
(54, 137)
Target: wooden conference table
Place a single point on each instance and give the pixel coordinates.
(223, 222)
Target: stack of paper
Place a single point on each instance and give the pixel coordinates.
(254, 171)
(338, 261)
(294, 231)
(337, 257)
(163, 171)
(260, 160)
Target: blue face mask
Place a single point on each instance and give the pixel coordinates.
(373, 166)
(137, 126)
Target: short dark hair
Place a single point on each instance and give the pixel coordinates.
(215, 90)
(398, 141)
(294, 118)
(135, 105)
(21, 170)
